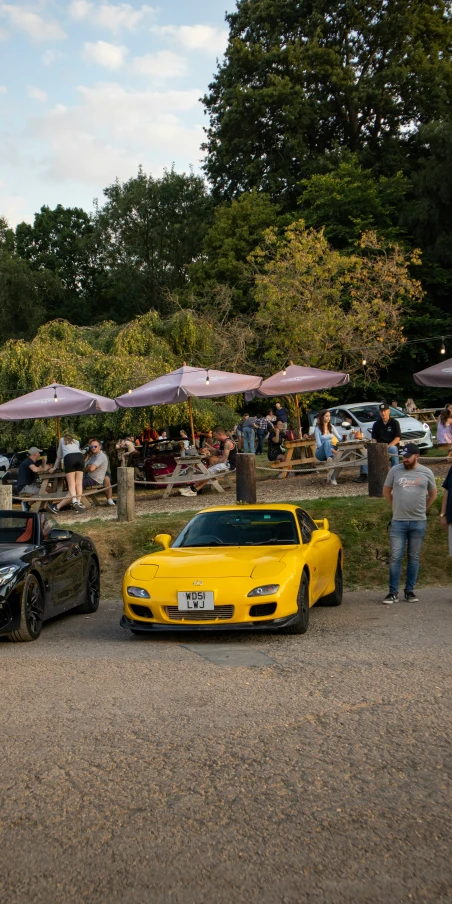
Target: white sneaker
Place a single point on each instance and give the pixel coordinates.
(111, 502)
(333, 482)
(187, 492)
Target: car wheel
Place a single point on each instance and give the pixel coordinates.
(301, 625)
(92, 597)
(31, 611)
(335, 598)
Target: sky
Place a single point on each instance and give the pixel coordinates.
(89, 90)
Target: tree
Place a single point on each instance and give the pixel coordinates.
(237, 230)
(65, 242)
(25, 296)
(331, 310)
(153, 230)
(302, 78)
(351, 200)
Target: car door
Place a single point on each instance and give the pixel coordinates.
(315, 556)
(66, 559)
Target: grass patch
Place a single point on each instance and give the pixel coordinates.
(360, 522)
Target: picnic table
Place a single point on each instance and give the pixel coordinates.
(348, 451)
(191, 469)
(53, 488)
(428, 415)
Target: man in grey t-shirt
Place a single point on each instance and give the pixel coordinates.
(410, 488)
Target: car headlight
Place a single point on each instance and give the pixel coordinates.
(7, 573)
(139, 592)
(264, 590)
(425, 426)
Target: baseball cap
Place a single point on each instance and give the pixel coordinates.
(383, 406)
(410, 449)
(33, 449)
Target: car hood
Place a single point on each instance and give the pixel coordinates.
(14, 553)
(236, 562)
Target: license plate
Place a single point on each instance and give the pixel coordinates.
(195, 599)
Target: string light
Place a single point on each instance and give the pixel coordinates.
(207, 378)
(364, 361)
(55, 397)
(442, 350)
(129, 392)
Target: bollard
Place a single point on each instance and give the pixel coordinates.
(6, 497)
(378, 466)
(245, 491)
(126, 494)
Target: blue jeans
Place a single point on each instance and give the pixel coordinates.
(394, 453)
(248, 437)
(260, 440)
(325, 451)
(403, 533)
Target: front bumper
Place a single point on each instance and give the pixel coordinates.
(268, 625)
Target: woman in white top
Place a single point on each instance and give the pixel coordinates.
(325, 436)
(74, 465)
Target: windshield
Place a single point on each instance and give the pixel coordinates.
(369, 413)
(16, 529)
(233, 528)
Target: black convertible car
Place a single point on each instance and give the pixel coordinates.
(43, 572)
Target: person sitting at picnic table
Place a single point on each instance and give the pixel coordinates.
(386, 429)
(410, 406)
(220, 462)
(97, 468)
(275, 447)
(326, 438)
(27, 479)
(73, 462)
(184, 441)
(444, 433)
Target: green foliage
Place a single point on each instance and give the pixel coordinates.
(301, 79)
(350, 200)
(24, 295)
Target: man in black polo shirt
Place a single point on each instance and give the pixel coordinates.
(387, 430)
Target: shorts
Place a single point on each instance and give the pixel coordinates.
(32, 489)
(74, 461)
(220, 468)
(89, 481)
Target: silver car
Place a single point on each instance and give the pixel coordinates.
(364, 414)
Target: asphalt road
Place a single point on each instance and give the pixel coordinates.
(203, 770)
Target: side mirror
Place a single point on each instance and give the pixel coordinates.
(57, 534)
(163, 540)
(319, 536)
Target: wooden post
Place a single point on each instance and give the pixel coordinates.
(378, 465)
(246, 478)
(297, 406)
(126, 494)
(192, 428)
(6, 497)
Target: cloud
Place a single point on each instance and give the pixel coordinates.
(110, 56)
(37, 94)
(112, 130)
(160, 66)
(12, 207)
(51, 56)
(113, 16)
(204, 38)
(3, 89)
(35, 26)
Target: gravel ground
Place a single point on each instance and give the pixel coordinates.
(293, 488)
(258, 769)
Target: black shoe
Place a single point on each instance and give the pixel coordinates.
(411, 597)
(361, 479)
(51, 507)
(390, 599)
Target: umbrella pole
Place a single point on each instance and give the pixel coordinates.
(192, 429)
(297, 406)
(58, 429)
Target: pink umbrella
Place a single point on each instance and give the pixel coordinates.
(55, 401)
(440, 375)
(185, 383)
(294, 379)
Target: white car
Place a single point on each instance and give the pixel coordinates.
(364, 414)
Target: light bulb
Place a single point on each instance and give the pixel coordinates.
(364, 361)
(284, 371)
(442, 350)
(55, 397)
(129, 392)
(207, 378)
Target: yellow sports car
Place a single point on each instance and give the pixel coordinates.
(236, 567)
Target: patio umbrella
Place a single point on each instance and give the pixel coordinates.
(294, 379)
(186, 383)
(440, 375)
(55, 401)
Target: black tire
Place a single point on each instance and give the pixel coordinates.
(335, 598)
(302, 623)
(91, 603)
(31, 612)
